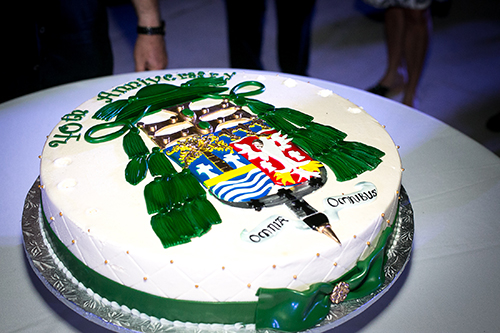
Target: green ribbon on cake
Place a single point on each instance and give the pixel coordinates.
(291, 310)
(278, 309)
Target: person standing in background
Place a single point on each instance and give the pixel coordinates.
(62, 41)
(408, 26)
(245, 21)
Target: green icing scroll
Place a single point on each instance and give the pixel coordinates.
(290, 310)
(136, 150)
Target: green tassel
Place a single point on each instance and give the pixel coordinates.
(182, 207)
(340, 168)
(159, 163)
(315, 141)
(313, 148)
(294, 116)
(181, 224)
(196, 217)
(191, 185)
(326, 132)
(256, 106)
(206, 82)
(155, 90)
(162, 225)
(133, 144)
(206, 211)
(111, 110)
(356, 165)
(362, 148)
(177, 189)
(164, 193)
(157, 198)
(370, 160)
(344, 165)
(134, 111)
(178, 226)
(136, 170)
(279, 123)
(183, 187)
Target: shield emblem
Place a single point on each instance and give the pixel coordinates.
(245, 163)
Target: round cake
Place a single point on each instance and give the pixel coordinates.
(199, 196)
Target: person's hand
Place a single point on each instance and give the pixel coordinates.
(150, 53)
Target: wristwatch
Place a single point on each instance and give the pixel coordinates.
(152, 30)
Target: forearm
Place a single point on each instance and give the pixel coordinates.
(148, 13)
(150, 51)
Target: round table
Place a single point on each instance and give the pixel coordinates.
(449, 285)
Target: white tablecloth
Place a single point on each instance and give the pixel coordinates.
(450, 284)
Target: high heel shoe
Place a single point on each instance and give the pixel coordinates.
(385, 91)
(379, 90)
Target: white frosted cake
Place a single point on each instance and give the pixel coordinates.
(195, 196)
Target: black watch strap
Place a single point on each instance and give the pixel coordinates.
(152, 30)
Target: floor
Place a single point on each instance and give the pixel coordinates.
(460, 84)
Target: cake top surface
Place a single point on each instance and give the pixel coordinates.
(86, 180)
